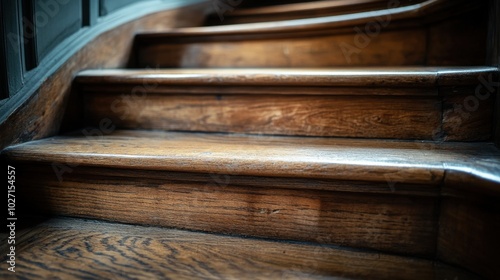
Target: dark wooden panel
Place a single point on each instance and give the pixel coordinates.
(54, 22)
(348, 116)
(468, 233)
(71, 248)
(386, 222)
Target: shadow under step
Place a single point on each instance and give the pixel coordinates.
(382, 195)
(65, 248)
(427, 103)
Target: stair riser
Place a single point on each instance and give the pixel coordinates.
(384, 220)
(389, 48)
(394, 117)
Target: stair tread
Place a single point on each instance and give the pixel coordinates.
(362, 102)
(310, 77)
(273, 156)
(76, 248)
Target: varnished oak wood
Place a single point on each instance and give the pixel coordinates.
(389, 117)
(332, 158)
(391, 102)
(356, 193)
(76, 249)
(406, 36)
(42, 114)
(269, 207)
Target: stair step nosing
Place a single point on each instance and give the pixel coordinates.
(400, 77)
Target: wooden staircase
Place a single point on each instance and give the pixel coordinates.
(389, 102)
(263, 150)
(85, 249)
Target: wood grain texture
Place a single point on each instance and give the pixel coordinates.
(389, 48)
(387, 117)
(75, 249)
(219, 153)
(390, 102)
(303, 157)
(322, 190)
(399, 36)
(42, 114)
(468, 233)
(385, 221)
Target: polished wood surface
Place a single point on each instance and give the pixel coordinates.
(77, 249)
(174, 52)
(391, 102)
(425, 201)
(409, 37)
(43, 114)
(369, 117)
(356, 193)
(299, 10)
(390, 77)
(332, 158)
(270, 207)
